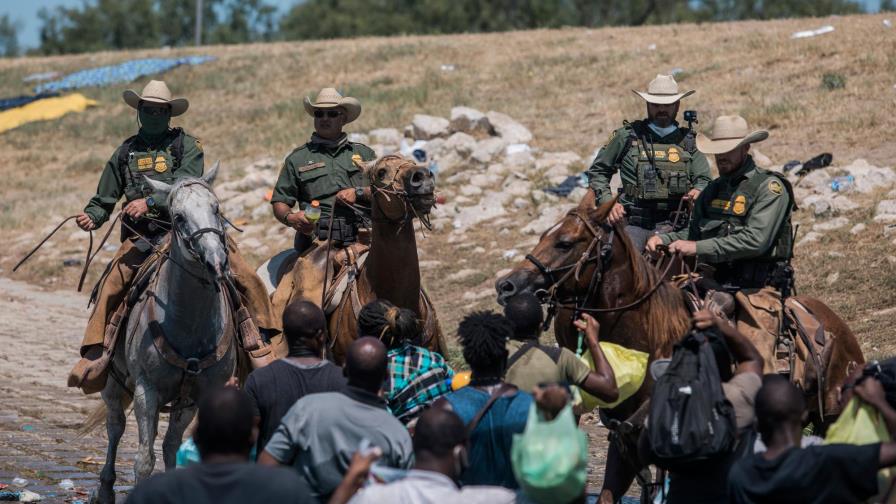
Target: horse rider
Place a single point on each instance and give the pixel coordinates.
(162, 153)
(740, 226)
(326, 168)
(658, 162)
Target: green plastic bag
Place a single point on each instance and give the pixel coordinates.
(630, 368)
(550, 458)
(860, 424)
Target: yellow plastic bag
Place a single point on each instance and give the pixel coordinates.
(861, 424)
(630, 368)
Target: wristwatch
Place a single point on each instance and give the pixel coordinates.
(150, 202)
(359, 192)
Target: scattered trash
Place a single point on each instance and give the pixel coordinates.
(66, 484)
(128, 71)
(27, 427)
(887, 23)
(71, 262)
(19, 482)
(843, 184)
(510, 254)
(90, 459)
(40, 76)
(651, 47)
(419, 155)
(20, 101)
(448, 68)
(675, 72)
(820, 161)
(44, 109)
(569, 185)
(813, 33)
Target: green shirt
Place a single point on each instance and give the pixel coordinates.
(614, 156)
(315, 172)
(729, 224)
(536, 366)
(151, 159)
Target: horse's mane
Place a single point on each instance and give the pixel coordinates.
(666, 319)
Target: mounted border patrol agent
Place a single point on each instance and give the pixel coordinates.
(741, 228)
(658, 162)
(161, 153)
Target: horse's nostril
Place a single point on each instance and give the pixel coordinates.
(417, 179)
(507, 287)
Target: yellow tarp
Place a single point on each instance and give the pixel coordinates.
(43, 110)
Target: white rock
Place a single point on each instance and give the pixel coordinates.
(359, 138)
(869, 177)
(430, 264)
(470, 121)
(385, 136)
(460, 143)
(538, 196)
(470, 190)
(549, 160)
(497, 169)
(810, 237)
(760, 159)
(832, 278)
(461, 275)
(886, 211)
(549, 216)
(556, 171)
(487, 208)
(488, 149)
(434, 148)
(483, 180)
(503, 272)
(474, 296)
(522, 160)
(256, 180)
(509, 255)
(521, 203)
(508, 129)
(450, 162)
(889, 230)
(427, 126)
(858, 229)
(835, 223)
(478, 250)
(577, 194)
(463, 200)
(518, 188)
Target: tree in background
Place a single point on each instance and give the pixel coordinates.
(9, 37)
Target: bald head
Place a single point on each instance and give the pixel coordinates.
(366, 364)
(304, 324)
(779, 405)
(437, 432)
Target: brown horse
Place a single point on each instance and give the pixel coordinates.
(401, 191)
(581, 261)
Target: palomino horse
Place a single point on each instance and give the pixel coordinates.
(583, 262)
(180, 337)
(401, 191)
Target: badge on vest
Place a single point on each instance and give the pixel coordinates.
(161, 166)
(775, 186)
(144, 164)
(674, 157)
(740, 205)
(356, 158)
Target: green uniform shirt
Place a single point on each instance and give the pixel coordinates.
(147, 159)
(315, 172)
(729, 224)
(615, 156)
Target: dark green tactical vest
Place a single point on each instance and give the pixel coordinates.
(137, 161)
(661, 169)
(726, 213)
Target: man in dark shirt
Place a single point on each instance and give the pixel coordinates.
(224, 436)
(273, 389)
(817, 474)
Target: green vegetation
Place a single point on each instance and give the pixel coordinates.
(832, 81)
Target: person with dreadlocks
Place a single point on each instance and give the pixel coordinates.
(492, 410)
(417, 376)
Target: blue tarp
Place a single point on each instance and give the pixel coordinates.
(128, 71)
(18, 101)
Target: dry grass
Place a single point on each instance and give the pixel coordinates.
(570, 86)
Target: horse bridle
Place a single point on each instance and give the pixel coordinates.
(403, 195)
(190, 239)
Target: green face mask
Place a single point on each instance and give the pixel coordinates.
(154, 124)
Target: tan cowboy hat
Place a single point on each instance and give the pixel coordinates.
(728, 133)
(156, 92)
(330, 98)
(663, 90)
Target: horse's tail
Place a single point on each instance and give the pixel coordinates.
(97, 417)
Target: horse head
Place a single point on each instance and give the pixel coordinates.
(196, 220)
(568, 257)
(401, 189)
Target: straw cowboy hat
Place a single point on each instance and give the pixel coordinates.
(156, 92)
(330, 98)
(728, 133)
(663, 90)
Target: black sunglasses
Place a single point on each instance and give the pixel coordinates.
(329, 113)
(154, 111)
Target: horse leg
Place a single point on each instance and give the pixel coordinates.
(146, 407)
(618, 476)
(178, 421)
(116, 401)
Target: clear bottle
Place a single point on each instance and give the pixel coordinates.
(312, 211)
(842, 184)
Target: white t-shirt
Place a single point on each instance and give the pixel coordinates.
(428, 487)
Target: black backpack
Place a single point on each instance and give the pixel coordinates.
(690, 419)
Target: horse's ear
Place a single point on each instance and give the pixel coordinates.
(158, 186)
(596, 213)
(209, 176)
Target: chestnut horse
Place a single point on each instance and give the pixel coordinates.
(401, 191)
(582, 261)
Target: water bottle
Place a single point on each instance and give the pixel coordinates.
(312, 211)
(842, 184)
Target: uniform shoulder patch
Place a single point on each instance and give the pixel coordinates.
(775, 186)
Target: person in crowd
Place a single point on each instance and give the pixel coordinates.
(417, 376)
(530, 363)
(785, 472)
(319, 434)
(440, 454)
(277, 386)
(224, 434)
(706, 483)
(492, 410)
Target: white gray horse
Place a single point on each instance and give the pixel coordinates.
(179, 339)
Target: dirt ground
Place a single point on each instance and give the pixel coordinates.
(40, 332)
